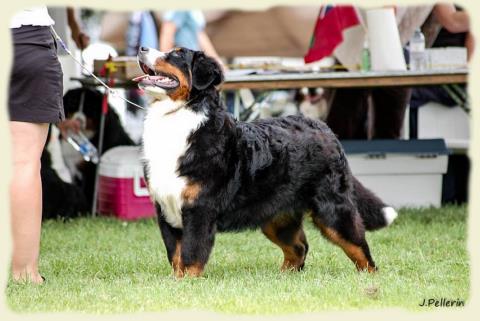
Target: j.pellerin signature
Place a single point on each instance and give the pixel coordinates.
(442, 302)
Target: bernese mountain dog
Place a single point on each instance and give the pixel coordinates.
(209, 173)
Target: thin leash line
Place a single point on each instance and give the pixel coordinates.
(110, 90)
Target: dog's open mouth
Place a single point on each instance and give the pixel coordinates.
(158, 79)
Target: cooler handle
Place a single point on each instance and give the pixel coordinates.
(138, 190)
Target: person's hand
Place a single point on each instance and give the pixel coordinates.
(70, 124)
(470, 45)
(81, 39)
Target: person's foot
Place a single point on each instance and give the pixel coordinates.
(30, 277)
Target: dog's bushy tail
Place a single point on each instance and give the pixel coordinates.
(375, 213)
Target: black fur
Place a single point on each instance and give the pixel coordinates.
(59, 199)
(369, 207)
(266, 174)
(205, 72)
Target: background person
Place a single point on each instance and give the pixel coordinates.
(186, 29)
(348, 116)
(447, 26)
(350, 107)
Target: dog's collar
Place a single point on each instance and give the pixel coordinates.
(174, 110)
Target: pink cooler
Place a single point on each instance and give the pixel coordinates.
(122, 191)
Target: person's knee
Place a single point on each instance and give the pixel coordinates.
(28, 141)
(26, 171)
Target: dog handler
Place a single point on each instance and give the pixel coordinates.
(35, 101)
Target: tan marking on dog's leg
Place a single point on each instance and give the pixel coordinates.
(292, 259)
(177, 263)
(180, 270)
(354, 252)
(191, 192)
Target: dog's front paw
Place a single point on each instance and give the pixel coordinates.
(295, 265)
(193, 270)
(366, 268)
(178, 273)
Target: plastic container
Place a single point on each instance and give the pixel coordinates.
(83, 145)
(366, 60)
(403, 173)
(418, 55)
(122, 191)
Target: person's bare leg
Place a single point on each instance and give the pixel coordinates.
(28, 140)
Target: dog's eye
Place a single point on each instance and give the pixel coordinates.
(176, 51)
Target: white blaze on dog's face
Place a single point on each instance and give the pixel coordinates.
(166, 74)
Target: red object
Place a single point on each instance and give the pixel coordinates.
(105, 103)
(122, 191)
(116, 197)
(328, 32)
(111, 82)
(108, 74)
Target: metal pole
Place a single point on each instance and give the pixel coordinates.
(100, 143)
(100, 148)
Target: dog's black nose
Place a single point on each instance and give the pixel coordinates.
(144, 49)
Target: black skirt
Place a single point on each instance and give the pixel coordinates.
(36, 81)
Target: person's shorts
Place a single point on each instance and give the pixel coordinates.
(36, 80)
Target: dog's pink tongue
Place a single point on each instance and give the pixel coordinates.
(140, 78)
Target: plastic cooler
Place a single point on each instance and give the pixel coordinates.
(403, 173)
(122, 191)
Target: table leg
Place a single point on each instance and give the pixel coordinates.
(236, 104)
(100, 149)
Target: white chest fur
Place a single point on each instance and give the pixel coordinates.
(164, 141)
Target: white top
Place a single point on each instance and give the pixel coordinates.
(36, 16)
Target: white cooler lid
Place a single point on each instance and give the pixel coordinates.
(121, 162)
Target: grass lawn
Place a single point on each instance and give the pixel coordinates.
(103, 265)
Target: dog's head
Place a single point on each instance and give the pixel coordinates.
(178, 74)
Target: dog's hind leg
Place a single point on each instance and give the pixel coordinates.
(172, 238)
(342, 225)
(286, 231)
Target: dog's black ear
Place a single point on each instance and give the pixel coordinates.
(206, 72)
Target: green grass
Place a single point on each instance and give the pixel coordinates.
(103, 265)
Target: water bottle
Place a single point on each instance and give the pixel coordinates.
(418, 59)
(366, 61)
(81, 143)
